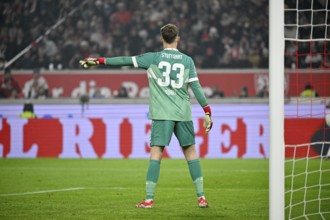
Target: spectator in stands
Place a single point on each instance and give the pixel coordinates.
(216, 92)
(309, 91)
(263, 93)
(50, 48)
(122, 93)
(244, 93)
(98, 94)
(9, 88)
(37, 87)
(313, 59)
(254, 57)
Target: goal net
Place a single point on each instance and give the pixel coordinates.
(307, 129)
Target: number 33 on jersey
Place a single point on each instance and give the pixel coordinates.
(169, 72)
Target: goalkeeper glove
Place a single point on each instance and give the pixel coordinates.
(90, 61)
(207, 119)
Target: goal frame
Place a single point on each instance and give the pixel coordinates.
(276, 110)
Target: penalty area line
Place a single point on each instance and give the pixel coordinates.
(42, 191)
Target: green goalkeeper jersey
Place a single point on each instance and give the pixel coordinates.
(169, 73)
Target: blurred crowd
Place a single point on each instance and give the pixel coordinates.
(216, 33)
(311, 27)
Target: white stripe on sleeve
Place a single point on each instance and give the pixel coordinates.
(193, 79)
(151, 73)
(135, 62)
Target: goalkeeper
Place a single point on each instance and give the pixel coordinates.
(169, 73)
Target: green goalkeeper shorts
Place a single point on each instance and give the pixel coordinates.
(162, 130)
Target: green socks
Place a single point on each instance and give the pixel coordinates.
(153, 174)
(196, 175)
(152, 178)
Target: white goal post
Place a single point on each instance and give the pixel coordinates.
(276, 112)
(299, 186)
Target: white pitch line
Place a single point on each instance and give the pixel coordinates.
(42, 191)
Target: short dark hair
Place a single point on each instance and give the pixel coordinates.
(169, 32)
(308, 86)
(28, 107)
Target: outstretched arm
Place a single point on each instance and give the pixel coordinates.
(141, 61)
(113, 61)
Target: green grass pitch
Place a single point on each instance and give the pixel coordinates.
(110, 189)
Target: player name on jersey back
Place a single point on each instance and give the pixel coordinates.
(172, 56)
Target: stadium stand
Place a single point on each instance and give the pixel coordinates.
(218, 33)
